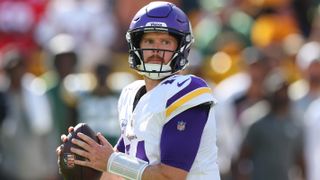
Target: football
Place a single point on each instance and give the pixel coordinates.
(68, 169)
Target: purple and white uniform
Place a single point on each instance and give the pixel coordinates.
(170, 125)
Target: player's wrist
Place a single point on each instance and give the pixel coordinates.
(126, 166)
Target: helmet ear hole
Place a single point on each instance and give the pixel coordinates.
(178, 63)
(174, 65)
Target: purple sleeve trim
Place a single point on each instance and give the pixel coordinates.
(141, 151)
(120, 145)
(180, 138)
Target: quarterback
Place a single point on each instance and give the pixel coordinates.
(167, 120)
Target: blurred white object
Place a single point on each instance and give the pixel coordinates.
(312, 146)
(37, 105)
(307, 54)
(62, 43)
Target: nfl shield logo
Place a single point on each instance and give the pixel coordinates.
(181, 126)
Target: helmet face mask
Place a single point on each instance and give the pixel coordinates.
(162, 17)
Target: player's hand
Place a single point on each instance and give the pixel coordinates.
(64, 139)
(59, 148)
(96, 154)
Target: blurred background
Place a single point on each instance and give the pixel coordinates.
(65, 61)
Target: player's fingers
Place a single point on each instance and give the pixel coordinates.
(87, 163)
(80, 143)
(87, 139)
(59, 168)
(80, 152)
(64, 138)
(103, 140)
(83, 163)
(58, 150)
(70, 129)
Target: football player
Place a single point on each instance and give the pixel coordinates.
(167, 120)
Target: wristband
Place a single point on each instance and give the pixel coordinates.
(126, 166)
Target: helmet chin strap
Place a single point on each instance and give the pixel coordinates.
(152, 71)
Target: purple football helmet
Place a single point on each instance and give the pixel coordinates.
(160, 17)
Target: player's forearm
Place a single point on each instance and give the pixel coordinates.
(163, 172)
(136, 169)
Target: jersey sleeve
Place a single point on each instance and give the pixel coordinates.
(181, 136)
(195, 92)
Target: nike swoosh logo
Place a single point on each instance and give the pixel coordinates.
(179, 84)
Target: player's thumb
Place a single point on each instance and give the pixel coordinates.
(102, 139)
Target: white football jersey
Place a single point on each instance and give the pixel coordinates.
(141, 127)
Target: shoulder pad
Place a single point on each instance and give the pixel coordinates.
(134, 85)
(130, 89)
(186, 92)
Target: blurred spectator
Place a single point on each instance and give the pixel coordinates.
(221, 37)
(190, 6)
(98, 107)
(274, 144)
(63, 59)
(237, 94)
(315, 23)
(18, 21)
(90, 22)
(273, 26)
(312, 143)
(26, 132)
(304, 13)
(304, 92)
(226, 56)
(307, 89)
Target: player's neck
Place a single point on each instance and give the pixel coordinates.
(151, 83)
